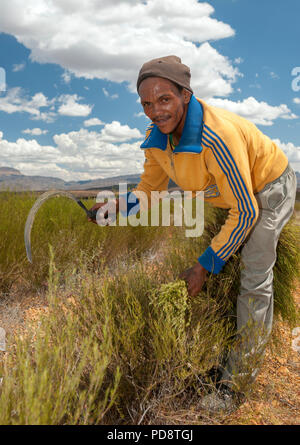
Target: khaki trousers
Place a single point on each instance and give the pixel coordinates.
(255, 302)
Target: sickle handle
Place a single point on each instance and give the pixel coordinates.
(89, 213)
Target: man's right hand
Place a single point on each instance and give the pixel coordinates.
(98, 205)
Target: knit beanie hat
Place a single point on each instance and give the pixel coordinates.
(169, 67)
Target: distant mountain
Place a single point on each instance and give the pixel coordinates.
(100, 183)
(8, 171)
(13, 179)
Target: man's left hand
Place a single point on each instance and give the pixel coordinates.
(195, 278)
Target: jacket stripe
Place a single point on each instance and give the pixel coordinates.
(239, 233)
(251, 212)
(242, 213)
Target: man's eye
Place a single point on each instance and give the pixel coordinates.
(165, 99)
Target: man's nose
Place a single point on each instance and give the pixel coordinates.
(155, 111)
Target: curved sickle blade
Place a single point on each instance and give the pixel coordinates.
(41, 199)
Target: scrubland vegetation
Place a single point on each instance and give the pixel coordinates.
(121, 341)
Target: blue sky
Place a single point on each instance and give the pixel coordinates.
(70, 108)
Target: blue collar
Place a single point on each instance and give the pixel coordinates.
(190, 141)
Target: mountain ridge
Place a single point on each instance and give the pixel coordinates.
(13, 179)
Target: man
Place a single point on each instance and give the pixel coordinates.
(204, 148)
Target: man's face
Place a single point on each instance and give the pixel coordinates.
(163, 103)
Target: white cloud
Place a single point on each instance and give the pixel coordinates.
(111, 96)
(296, 100)
(141, 114)
(78, 155)
(35, 131)
(11, 153)
(255, 85)
(70, 106)
(93, 122)
(292, 151)
(238, 60)
(117, 37)
(274, 75)
(48, 117)
(39, 101)
(18, 67)
(115, 132)
(66, 76)
(260, 113)
(15, 101)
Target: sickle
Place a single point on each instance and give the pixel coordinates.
(41, 199)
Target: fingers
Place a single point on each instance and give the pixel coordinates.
(194, 280)
(92, 220)
(192, 288)
(106, 212)
(101, 220)
(185, 274)
(96, 206)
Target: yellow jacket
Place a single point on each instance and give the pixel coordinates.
(223, 155)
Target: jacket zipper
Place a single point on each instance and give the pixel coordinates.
(173, 167)
(171, 156)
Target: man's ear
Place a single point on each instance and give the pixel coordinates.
(186, 96)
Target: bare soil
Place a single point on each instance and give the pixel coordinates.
(275, 399)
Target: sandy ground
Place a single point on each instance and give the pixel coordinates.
(275, 399)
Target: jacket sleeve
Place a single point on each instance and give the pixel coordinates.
(227, 162)
(153, 178)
